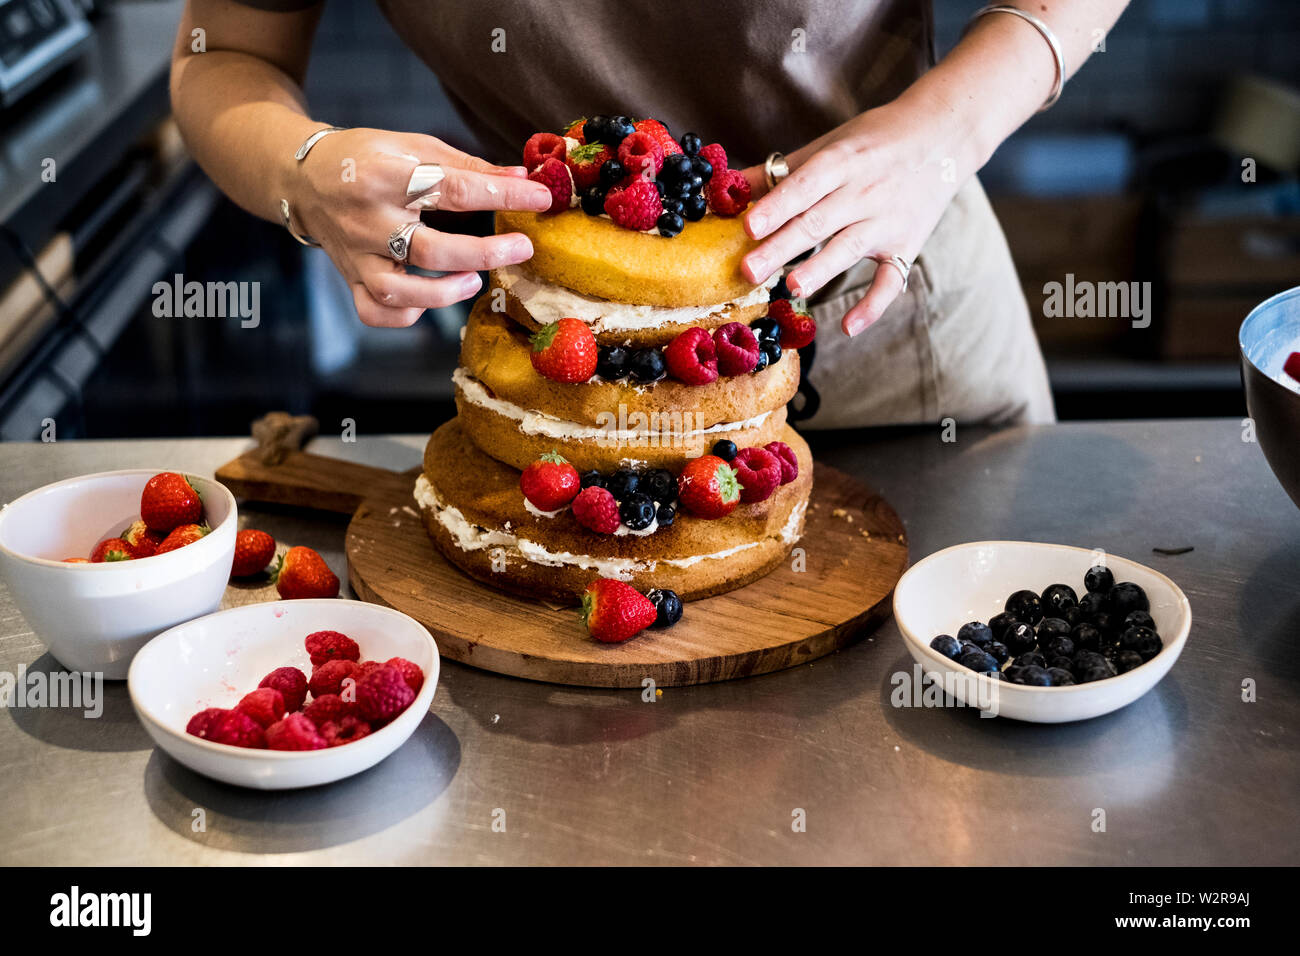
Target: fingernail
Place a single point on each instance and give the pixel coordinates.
(795, 286)
(757, 223)
(471, 282)
(757, 267)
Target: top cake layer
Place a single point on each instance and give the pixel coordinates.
(595, 257)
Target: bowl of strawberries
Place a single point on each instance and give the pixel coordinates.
(286, 694)
(100, 564)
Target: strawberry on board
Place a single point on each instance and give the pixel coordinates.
(708, 487)
(180, 537)
(168, 501)
(550, 483)
(253, 552)
(302, 573)
(614, 611)
(565, 351)
(111, 549)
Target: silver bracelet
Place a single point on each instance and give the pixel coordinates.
(1047, 35)
(300, 154)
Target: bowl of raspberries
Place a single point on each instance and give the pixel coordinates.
(1040, 632)
(287, 693)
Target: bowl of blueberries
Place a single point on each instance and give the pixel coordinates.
(1041, 632)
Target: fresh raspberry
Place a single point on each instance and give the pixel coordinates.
(294, 732)
(325, 646)
(635, 206)
(383, 695)
(265, 705)
(410, 672)
(759, 472)
(231, 727)
(797, 328)
(344, 731)
(737, 349)
(541, 147)
(596, 509)
(787, 458)
(328, 678)
(291, 683)
(555, 176)
(364, 668)
(641, 155)
(575, 130)
(320, 710)
(584, 163)
(659, 132)
(716, 155)
(1292, 365)
(691, 357)
(727, 192)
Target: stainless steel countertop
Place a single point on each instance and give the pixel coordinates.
(1190, 774)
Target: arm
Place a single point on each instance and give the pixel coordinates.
(241, 109)
(877, 185)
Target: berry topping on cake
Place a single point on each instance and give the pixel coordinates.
(596, 510)
(555, 176)
(636, 206)
(725, 449)
(715, 156)
(737, 348)
(692, 358)
(637, 511)
(708, 487)
(646, 365)
(758, 471)
(565, 351)
(786, 456)
(574, 131)
(660, 133)
(611, 362)
(550, 483)
(585, 163)
(610, 130)
(541, 147)
(797, 329)
(612, 173)
(614, 611)
(691, 144)
(727, 192)
(641, 155)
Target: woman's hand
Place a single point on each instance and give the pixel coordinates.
(349, 194)
(874, 187)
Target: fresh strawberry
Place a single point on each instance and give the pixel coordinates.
(708, 487)
(727, 192)
(541, 147)
(180, 537)
(584, 163)
(111, 549)
(659, 132)
(575, 130)
(555, 176)
(737, 349)
(168, 501)
(614, 611)
(692, 358)
(758, 471)
(1292, 365)
(302, 573)
(797, 328)
(641, 155)
(716, 156)
(550, 483)
(596, 510)
(76, 560)
(142, 541)
(635, 206)
(253, 552)
(565, 351)
(786, 456)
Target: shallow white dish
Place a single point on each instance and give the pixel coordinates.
(215, 660)
(94, 617)
(971, 582)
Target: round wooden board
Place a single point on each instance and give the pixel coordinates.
(854, 550)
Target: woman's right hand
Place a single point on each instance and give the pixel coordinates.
(349, 194)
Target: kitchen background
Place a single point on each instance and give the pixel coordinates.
(1136, 175)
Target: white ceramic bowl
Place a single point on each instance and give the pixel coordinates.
(216, 660)
(971, 582)
(94, 617)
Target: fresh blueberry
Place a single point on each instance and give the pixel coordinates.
(669, 224)
(1125, 598)
(976, 631)
(998, 651)
(1108, 624)
(690, 144)
(611, 362)
(1128, 660)
(1098, 580)
(1020, 637)
(977, 660)
(1062, 646)
(725, 449)
(1061, 676)
(647, 365)
(947, 645)
(1057, 597)
(1073, 615)
(637, 511)
(660, 188)
(1111, 652)
(676, 167)
(703, 168)
(1050, 627)
(1131, 636)
(1059, 661)
(1031, 659)
(668, 604)
(993, 675)
(762, 361)
(589, 478)
(619, 129)
(1025, 606)
(593, 200)
(998, 624)
(1086, 637)
(1035, 676)
(694, 208)
(688, 186)
(659, 484)
(611, 173)
(622, 483)
(596, 128)
(666, 515)
(1149, 646)
(673, 206)
(1091, 603)
(1139, 619)
(766, 328)
(1014, 674)
(772, 349)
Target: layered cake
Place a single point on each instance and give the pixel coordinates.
(622, 395)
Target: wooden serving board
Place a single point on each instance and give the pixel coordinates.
(835, 587)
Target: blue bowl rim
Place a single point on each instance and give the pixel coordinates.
(1267, 305)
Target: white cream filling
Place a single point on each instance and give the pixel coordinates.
(471, 537)
(549, 303)
(548, 426)
(790, 533)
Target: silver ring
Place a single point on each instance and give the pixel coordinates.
(399, 240)
(423, 186)
(775, 169)
(898, 262)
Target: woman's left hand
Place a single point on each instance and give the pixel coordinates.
(874, 187)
